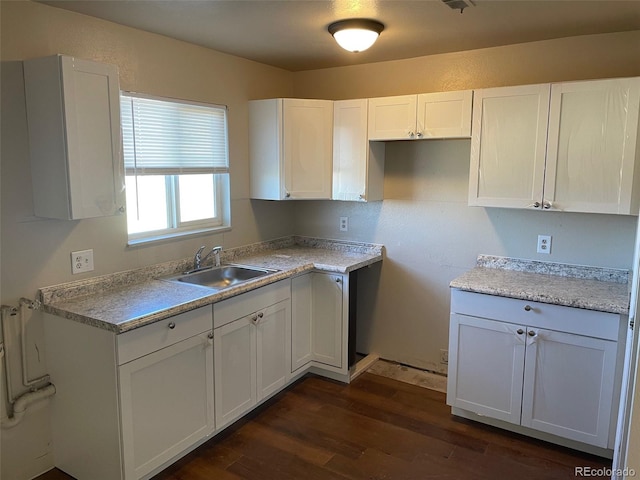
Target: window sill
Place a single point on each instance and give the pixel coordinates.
(133, 242)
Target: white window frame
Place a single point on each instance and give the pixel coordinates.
(221, 220)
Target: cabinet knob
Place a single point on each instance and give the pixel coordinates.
(419, 134)
(546, 205)
(121, 209)
(338, 280)
(172, 325)
(210, 336)
(535, 204)
(527, 308)
(411, 134)
(362, 196)
(531, 333)
(254, 318)
(287, 195)
(260, 315)
(520, 331)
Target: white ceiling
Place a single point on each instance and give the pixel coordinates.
(292, 34)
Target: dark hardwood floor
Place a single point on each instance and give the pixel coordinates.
(374, 429)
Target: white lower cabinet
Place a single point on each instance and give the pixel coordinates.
(549, 368)
(568, 385)
(252, 349)
(320, 317)
(235, 370)
(167, 403)
(126, 405)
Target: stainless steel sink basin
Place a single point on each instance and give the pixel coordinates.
(223, 277)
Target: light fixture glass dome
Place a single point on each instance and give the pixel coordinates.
(356, 35)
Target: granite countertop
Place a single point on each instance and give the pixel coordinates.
(124, 301)
(591, 288)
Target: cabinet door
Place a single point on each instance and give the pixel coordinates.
(166, 402)
(593, 128)
(301, 321)
(508, 146)
(392, 118)
(350, 148)
(327, 315)
(73, 112)
(444, 115)
(486, 363)
(308, 148)
(235, 370)
(568, 385)
(273, 330)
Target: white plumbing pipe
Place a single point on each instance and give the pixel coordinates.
(31, 305)
(7, 311)
(22, 403)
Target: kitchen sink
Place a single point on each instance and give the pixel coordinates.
(222, 277)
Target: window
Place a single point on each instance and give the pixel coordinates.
(176, 167)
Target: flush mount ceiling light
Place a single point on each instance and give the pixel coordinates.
(356, 34)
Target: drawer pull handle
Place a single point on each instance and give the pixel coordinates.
(532, 333)
(520, 331)
(527, 308)
(172, 325)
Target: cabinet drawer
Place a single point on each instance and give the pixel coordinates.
(539, 315)
(150, 338)
(247, 303)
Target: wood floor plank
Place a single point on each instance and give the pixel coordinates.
(374, 465)
(308, 452)
(380, 408)
(374, 429)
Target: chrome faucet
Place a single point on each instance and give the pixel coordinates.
(198, 260)
(215, 251)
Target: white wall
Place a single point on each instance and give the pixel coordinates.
(36, 252)
(431, 236)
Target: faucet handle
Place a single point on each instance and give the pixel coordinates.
(198, 257)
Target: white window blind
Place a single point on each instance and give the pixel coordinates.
(164, 137)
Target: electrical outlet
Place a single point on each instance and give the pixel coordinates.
(344, 224)
(82, 261)
(444, 356)
(544, 244)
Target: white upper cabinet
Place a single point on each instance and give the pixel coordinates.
(428, 115)
(290, 148)
(567, 147)
(392, 118)
(592, 147)
(73, 116)
(358, 165)
(508, 146)
(444, 115)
